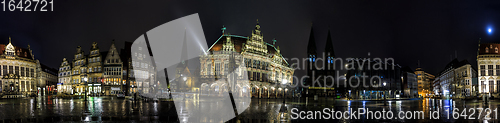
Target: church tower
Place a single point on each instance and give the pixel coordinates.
(310, 66)
(329, 55)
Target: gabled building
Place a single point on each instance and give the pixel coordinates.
(19, 71)
(488, 61)
(64, 84)
(79, 71)
(97, 73)
(266, 68)
(94, 72)
(112, 74)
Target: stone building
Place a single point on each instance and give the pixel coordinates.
(464, 75)
(488, 61)
(409, 82)
(424, 82)
(79, 72)
(19, 70)
(94, 72)
(455, 80)
(97, 73)
(112, 73)
(47, 79)
(365, 81)
(64, 83)
(266, 68)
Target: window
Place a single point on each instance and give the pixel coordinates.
(497, 70)
(22, 72)
(490, 70)
(483, 86)
(32, 72)
(496, 49)
(486, 50)
(483, 72)
(4, 69)
(492, 87)
(11, 69)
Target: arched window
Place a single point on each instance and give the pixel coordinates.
(496, 49)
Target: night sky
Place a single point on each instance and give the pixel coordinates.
(429, 31)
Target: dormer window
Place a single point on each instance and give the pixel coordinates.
(496, 49)
(9, 50)
(487, 50)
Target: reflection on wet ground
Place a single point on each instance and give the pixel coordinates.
(260, 110)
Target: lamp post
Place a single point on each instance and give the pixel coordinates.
(85, 80)
(283, 110)
(86, 111)
(385, 95)
(283, 82)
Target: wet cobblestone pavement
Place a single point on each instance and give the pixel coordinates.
(111, 109)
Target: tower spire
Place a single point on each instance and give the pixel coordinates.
(329, 46)
(311, 46)
(9, 40)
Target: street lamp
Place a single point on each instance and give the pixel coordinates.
(283, 82)
(385, 95)
(283, 110)
(85, 80)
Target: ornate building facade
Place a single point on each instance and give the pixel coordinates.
(94, 72)
(19, 70)
(113, 66)
(65, 84)
(79, 71)
(266, 68)
(99, 73)
(488, 61)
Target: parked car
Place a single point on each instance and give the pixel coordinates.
(120, 95)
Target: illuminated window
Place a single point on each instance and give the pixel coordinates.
(486, 49)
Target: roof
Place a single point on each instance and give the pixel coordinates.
(48, 69)
(454, 64)
(311, 45)
(489, 49)
(20, 52)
